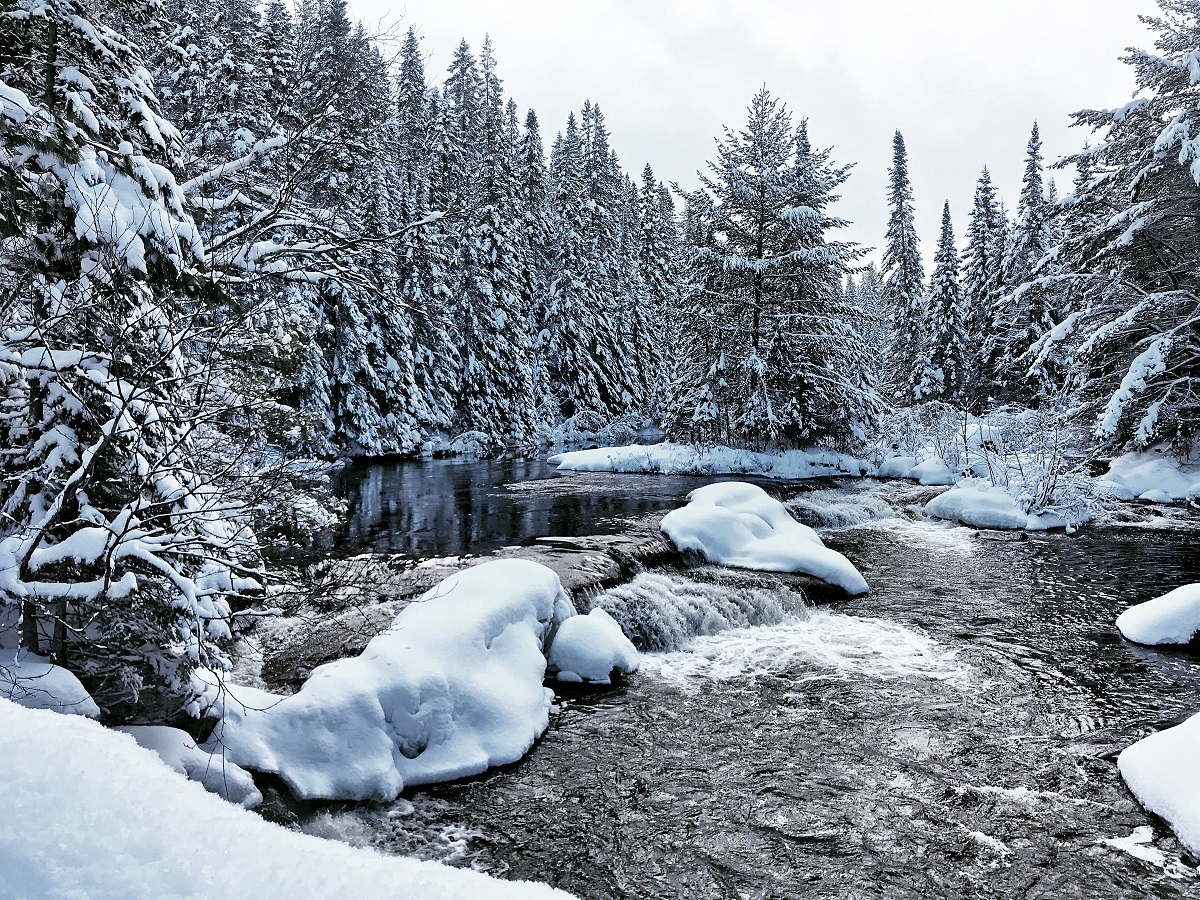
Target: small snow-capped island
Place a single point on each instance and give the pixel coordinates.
(411, 488)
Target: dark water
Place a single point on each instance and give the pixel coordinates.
(448, 507)
(952, 734)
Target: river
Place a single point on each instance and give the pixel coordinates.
(952, 734)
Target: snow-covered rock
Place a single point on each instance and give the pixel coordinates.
(897, 467)
(1152, 475)
(933, 471)
(738, 524)
(687, 459)
(1173, 618)
(452, 688)
(978, 503)
(1163, 773)
(208, 767)
(35, 682)
(88, 813)
(590, 648)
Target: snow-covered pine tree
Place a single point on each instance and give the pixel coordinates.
(904, 285)
(946, 328)
(785, 362)
(1135, 329)
(120, 535)
(981, 277)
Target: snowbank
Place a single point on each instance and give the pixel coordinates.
(687, 459)
(1173, 618)
(1161, 771)
(932, 472)
(979, 504)
(738, 524)
(88, 813)
(1152, 476)
(177, 749)
(589, 648)
(452, 688)
(36, 683)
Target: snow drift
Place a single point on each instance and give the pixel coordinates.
(208, 767)
(109, 820)
(35, 682)
(1151, 476)
(686, 459)
(1173, 618)
(452, 688)
(1161, 771)
(738, 524)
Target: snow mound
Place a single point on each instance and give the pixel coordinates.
(933, 472)
(177, 749)
(35, 682)
(452, 688)
(897, 467)
(110, 820)
(979, 504)
(738, 524)
(687, 459)
(589, 648)
(1152, 476)
(1173, 618)
(1161, 771)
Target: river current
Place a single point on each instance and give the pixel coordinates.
(953, 733)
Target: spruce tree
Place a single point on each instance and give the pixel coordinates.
(903, 279)
(949, 348)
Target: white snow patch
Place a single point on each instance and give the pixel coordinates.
(452, 688)
(737, 524)
(1152, 475)
(35, 682)
(686, 459)
(980, 504)
(590, 648)
(206, 766)
(1173, 618)
(1161, 771)
(110, 820)
(932, 472)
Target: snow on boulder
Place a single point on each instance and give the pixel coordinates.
(1173, 618)
(590, 648)
(897, 467)
(208, 767)
(933, 472)
(687, 459)
(1152, 476)
(88, 813)
(35, 682)
(1161, 771)
(979, 504)
(452, 688)
(738, 524)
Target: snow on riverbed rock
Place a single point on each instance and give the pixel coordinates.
(979, 504)
(1162, 772)
(737, 524)
(1153, 476)
(452, 688)
(897, 467)
(1173, 618)
(687, 459)
(933, 472)
(590, 648)
(88, 813)
(208, 767)
(35, 682)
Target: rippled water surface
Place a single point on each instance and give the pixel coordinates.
(951, 734)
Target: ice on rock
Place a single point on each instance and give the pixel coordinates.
(590, 648)
(206, 766)
(452, 688)
(108, 819)
(1173, 618)
(979, 504)
(1161, 771)
(738, 524)
(35, 682)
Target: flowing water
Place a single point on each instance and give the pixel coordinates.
(951, 734)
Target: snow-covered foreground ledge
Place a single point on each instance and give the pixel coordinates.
(736, 524)
(89, 813)
(454, 687)
(1163, 771)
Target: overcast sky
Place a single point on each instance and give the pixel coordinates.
(962, 79)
